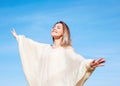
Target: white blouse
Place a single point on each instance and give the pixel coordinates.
(47, 66)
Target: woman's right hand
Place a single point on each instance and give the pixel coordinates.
(14, 33)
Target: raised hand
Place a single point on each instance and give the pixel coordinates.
(97, 63)
(14, 33)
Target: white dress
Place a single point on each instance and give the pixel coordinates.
(47, 66)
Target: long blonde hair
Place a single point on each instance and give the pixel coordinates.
(66, 39)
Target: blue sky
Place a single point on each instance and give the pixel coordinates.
(94, 26)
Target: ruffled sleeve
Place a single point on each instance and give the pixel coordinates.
(31, 56)
(81, 69)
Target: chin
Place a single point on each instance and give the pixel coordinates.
(55, 36)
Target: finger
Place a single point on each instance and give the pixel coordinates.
(94, 61)
(13, 30)
(100, 65)
(101, 60)
(14, 33)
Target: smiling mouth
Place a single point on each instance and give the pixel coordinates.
(54, 31)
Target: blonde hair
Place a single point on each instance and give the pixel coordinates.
(66, 39)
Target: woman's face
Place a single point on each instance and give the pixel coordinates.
(57, 31)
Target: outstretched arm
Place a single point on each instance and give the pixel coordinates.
(97, 63)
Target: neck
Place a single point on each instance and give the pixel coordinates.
(57, 42)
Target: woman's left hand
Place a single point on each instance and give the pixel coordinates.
(14, 33)
(97, 63)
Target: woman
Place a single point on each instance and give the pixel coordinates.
(57, 64)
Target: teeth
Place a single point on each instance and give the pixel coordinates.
(55, 31)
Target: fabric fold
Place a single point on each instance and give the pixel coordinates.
(45, 66)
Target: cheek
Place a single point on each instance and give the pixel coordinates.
(60, 32)
(52, 34)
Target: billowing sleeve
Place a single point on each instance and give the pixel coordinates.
(80, 67)
(31, 56)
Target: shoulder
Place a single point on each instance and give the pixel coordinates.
(24, 39)
(69, 49)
